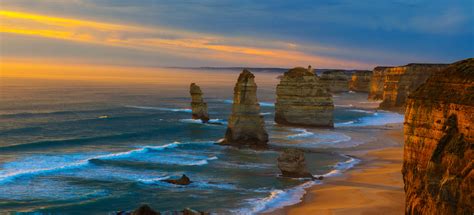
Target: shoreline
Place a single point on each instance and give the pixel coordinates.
(372, 186)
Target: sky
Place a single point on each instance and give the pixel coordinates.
(346, 34)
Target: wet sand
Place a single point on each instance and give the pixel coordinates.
(375, 186)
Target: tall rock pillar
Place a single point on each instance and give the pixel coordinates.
(245, 124)
(198, 106)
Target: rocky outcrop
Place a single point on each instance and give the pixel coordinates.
(198, 106)
(439, 143)
(377, 82)
(402, 80)
(147, 210)
(245, 125)
(184, 180)
(336, 80)
(302, 100)
(360, 81)
(291, 163)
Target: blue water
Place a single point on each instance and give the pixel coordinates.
(88, 149)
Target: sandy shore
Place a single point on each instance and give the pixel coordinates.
(375, 186)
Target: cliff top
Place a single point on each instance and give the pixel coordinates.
(298, 72)
(453, 84)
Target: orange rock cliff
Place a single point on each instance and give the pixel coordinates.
(439, 141)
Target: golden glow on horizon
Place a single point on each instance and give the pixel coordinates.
(164, 40)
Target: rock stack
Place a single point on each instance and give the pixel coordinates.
(302, 100)
(336, 80)
(400, 81)
(291, 163)
(438, 165)
(198, 106)
(245, 125)
(360, 81)
(377, 82)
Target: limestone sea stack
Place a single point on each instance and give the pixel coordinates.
(438, 165)
(336, 80)
(400, 81)
(302, 100)
(377, 82)
(245, 125)
(198, 106)
(291, 163)
(360, 81)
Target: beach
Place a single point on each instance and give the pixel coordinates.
(374, 186)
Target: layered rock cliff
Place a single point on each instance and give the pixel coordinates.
(360, 81)
(198, 106)
(302, 100)
(336, 80)
(402, 80)
(439, 143)
(245, 124)
(377, 82)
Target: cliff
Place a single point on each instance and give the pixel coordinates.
(402, 80)
(245, 124)
(439, 141)
(302, 100)
(377, 82)
(336, 80)
(360, 81)
(198, 106)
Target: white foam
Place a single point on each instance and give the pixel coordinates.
(277, 199)
(185, 110)
(375, 119)
(302, 133)
(198, 121)
(43, 165)
(282, 198)
(262, 104)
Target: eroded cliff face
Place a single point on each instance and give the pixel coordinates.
(439, 142)
(360, 81)
(302, 100)
(377, 82)
(400, 81)
(336, 80)
(198, 106)
(245, 124)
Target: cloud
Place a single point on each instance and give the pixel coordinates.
(166, 40)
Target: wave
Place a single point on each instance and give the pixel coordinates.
(211, 121)
(349, 105)
(262, 104)
(375, 119)
(341, 167)
(362, 111)
(303, 133)
(282, 198)
(31, 166)
(184, 110)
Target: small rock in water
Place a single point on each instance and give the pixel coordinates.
(184, 180)
(145, 210)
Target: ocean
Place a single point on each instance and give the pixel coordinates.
(98, 146)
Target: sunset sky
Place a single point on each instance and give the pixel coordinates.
(277, 33)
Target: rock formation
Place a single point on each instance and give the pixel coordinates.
(184, 180)
(245, 125)
(360, 81)
(336, 80)
(402, 80)
(145, 210)
(291, 163)
(302, 100)
(198, 106)
(377, 82)
(439, 143)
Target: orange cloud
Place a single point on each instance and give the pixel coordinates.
(166, 40)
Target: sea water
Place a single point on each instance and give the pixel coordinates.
(93, 147)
